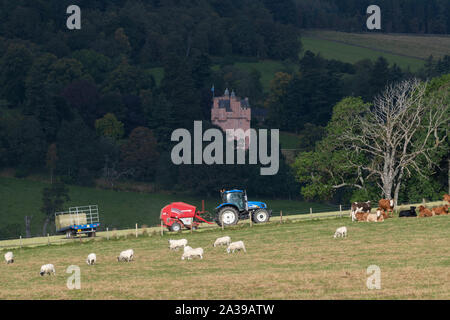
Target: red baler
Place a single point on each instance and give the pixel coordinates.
(179, 214)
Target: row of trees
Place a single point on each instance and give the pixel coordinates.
(148, 31)
(308, 96)
(399, 16)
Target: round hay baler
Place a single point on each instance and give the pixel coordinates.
(178, 215)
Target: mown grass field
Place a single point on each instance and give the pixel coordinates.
(118, 209)
(411, 45)
(352, 53)
(294, 260)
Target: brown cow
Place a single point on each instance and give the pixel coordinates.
(425, 212)
(381, 212)
(447, 197)
(387, 205)
(359, 207)
(361, 216)
(440, 210)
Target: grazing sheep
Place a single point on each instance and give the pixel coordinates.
(175, 244)
(91, 259)
(440, 210)
(47, 269)
(189, 254)
(9, 257)
(408, 213)
(126, 255)
(425, 212)
(221, 241)
(340, 232)
(238, 245)
(187, 248)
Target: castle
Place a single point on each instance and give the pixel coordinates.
(231, 112)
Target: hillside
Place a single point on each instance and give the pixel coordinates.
(21, 197)
(300, 259)
(403, 49)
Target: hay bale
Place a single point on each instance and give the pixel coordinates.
(66, 220)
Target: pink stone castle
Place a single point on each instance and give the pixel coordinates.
(231, 112)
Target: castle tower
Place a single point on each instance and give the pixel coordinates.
(232, 112)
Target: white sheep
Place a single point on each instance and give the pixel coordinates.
(175, 244)
(9, 257)
(223, 240)
(186, 249)
(126, 255)
(47, 269)
(91, 259)
(197, 252)
(340, 232)
(238, 245)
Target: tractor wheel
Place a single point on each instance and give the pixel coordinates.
(260, 216)
(175, 227)
(228, 216)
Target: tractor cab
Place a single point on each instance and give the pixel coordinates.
(235, 197)
(235, 206)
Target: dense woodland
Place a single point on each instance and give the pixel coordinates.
(79, 105)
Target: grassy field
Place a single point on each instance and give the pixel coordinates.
(294, 260)
(408, 45)
(20, 197)
(350, 53)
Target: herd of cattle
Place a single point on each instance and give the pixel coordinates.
(361, 211)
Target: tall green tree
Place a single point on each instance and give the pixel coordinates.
(14, 66)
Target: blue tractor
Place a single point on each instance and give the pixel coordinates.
(235, 207)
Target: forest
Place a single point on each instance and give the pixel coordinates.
(83, 105)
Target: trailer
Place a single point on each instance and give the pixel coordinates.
(78, 220)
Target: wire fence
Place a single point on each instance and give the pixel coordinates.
(326, 211)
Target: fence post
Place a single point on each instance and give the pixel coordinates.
(281, 216)
(251, 222)
(107, 233)
(222, 224)
(340, 209)
(48, 239)
(310, 212)
(136, 231)
(20, 243)
(162, 232)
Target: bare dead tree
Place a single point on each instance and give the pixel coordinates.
(28, 226)
(399, 134)
(112, 172)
